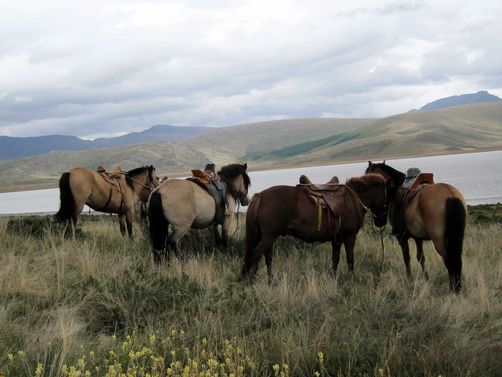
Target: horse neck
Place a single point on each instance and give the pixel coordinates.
(232, 202)
(138, 184)
(360, 197)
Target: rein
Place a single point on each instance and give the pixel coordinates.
(142, 184)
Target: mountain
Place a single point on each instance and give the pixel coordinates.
(463, 99)
(298, 142)
(45, 170)
(160, 132)
(284, 143)
(18, 147)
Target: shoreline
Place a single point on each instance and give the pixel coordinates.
(266, 167)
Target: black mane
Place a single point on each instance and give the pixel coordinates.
(138, 171)
(396, 176)
(230, 172)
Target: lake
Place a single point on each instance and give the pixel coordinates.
(477, 175)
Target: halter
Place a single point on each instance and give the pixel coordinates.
(142, 184)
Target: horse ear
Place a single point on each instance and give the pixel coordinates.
(370, 163)
(245, 166)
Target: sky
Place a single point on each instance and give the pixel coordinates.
(105, 68)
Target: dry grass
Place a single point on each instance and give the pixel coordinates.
(58, 295)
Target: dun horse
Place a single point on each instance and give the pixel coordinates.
(436, 212)
(184, 205)
(103, 193)
(287, 210)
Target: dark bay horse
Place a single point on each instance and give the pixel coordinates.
(105, 193)
(287, 210)
(183, 204)
(436, 212)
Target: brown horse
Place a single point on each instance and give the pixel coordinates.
(105, 193)
(287, 210)
(436, 212)
(184, 204)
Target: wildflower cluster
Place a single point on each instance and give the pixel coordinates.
(153, 356)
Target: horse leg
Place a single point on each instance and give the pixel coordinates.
(268, 261)
(335, 250)
(218, 239)
(349, 242)
(173, 241)
(128, 219)
(252, 259)
(453, 277)
(421, 257)
(122, 224)
(405, 249)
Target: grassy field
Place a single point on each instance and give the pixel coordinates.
(96, 305)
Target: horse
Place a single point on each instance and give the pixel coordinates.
(185, 204)
(435, 212)
(104, 192)
(288, 210)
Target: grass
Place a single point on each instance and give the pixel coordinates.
(98, 305)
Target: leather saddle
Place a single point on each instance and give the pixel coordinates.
(116, 179)
(330, 194)
(214, 187)
(421, 180)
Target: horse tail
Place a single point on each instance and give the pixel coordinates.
(253, 234)
(455, 221)
(67, 207)
(158, 225)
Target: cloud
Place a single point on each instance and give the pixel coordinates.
(98, 68)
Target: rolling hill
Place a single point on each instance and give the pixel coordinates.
(285, 143)
(17, 147)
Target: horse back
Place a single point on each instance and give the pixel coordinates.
(426, 212)
(290, 210)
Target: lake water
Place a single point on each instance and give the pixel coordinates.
(477, 175)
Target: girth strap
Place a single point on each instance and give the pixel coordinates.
(109, 199)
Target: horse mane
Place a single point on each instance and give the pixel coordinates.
(229, 172)
(366, 181)
(397, 176)
(138, 171)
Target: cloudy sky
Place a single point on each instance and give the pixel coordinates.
(103, 68)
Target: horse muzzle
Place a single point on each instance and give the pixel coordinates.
(243, 199)
(380, 219)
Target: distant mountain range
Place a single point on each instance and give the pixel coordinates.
(283, 143)
(18, 147)
(12, 148)
(463, 99)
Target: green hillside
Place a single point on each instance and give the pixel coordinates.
(284, 143)
(45, 170)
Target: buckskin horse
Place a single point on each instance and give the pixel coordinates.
(103, 192)
(184, 204)
(299, 211)
(434, 212)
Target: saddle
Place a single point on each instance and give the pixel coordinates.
(214, 187)
(328, 195)
(422, 180)
(116, 179)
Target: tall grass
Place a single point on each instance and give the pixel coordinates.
(72, 303)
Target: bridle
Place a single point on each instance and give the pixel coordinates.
(152, 181)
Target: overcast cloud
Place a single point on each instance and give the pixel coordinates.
(102, 68)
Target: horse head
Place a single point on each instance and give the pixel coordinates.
(237, 181)
(387, 171)
(373, 191)
(143, 180)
